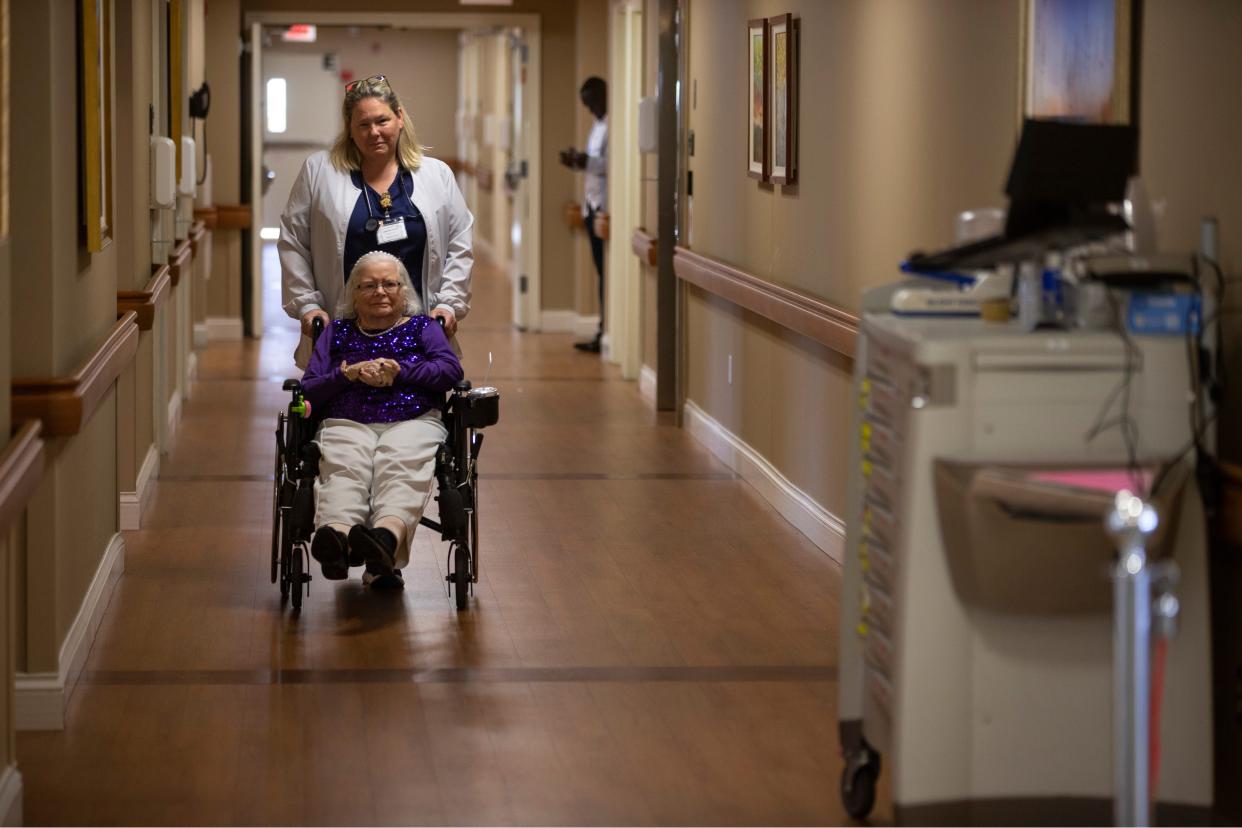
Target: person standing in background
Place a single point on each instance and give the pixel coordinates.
(594, 164)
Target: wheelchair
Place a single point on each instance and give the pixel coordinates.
(466, 412)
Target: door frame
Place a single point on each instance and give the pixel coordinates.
(624, 305)
(532, 236)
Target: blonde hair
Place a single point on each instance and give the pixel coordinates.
(345, 308)
(345, 156)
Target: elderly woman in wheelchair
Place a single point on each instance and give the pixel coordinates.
(377, 380)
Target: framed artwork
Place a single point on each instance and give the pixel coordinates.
(97, 185)
(1077, 60)
(783, 44)
(757, 159)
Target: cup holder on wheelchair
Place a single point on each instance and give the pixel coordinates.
(478, 407)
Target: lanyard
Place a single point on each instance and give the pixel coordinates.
(372, 223)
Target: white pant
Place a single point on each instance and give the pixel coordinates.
(372, 471)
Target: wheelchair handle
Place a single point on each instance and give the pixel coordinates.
(316, 328)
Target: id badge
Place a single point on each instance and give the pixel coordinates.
(390, 231)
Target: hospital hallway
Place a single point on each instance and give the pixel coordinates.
(650, 642)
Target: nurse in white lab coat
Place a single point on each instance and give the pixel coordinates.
(374, 190)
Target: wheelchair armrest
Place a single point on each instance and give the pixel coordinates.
(462, 387)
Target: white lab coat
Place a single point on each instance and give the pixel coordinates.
(312, 237)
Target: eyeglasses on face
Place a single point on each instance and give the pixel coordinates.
(388, 286)
(354, 86)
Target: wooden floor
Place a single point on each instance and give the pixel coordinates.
(649, 643)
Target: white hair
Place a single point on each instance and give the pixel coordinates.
(345, 308)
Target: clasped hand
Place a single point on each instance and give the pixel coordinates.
(375, 372)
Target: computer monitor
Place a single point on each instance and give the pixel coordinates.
(1063, 179)
(1065, 172)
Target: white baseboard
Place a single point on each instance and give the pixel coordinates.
(201, 335)
(39, 701)
(585, 327)
(557, 321)
(174, 413)
(647, 384)
(567, 321)
(133, 503)
(223, 329)
(823, 528)
(11, 796)
(40, 698)
(191, 370)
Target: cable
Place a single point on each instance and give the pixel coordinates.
(1123, 422)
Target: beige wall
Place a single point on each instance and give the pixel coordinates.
(913, 118)
(222, 71)
(421, 64)
(1190, 135)
(910, 118)
(135, 431)
(592, 59)
(67, 302)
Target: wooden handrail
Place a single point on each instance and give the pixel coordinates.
(65, 404)
(179, 261)
(827, 324)
(485, 178)
(234, 216)
(645, 247)
(209, 216)
(21, 466)
(143, 303)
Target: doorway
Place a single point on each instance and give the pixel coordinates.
(350, 46)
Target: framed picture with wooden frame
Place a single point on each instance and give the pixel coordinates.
(757, 117)
(783, 98)
(95, 36)
(1078, 60)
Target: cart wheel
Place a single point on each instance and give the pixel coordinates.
(296, 578)
(858, 780)
(461, 576)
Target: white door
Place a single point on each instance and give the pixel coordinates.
(522, 179)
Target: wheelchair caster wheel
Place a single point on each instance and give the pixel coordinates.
(858, 781)
(297, 578)
(461, 577)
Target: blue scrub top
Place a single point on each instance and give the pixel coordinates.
(359, 240)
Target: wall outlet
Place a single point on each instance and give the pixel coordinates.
(730, 369)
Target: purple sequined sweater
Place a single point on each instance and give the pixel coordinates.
(428, 369)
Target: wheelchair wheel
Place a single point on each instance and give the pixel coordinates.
(286, 554)
(296, 578)
(461, 576)
(278, 480)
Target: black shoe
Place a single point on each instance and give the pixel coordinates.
(328, 547)
(380, 580)
(378, 547)
(591, 346)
